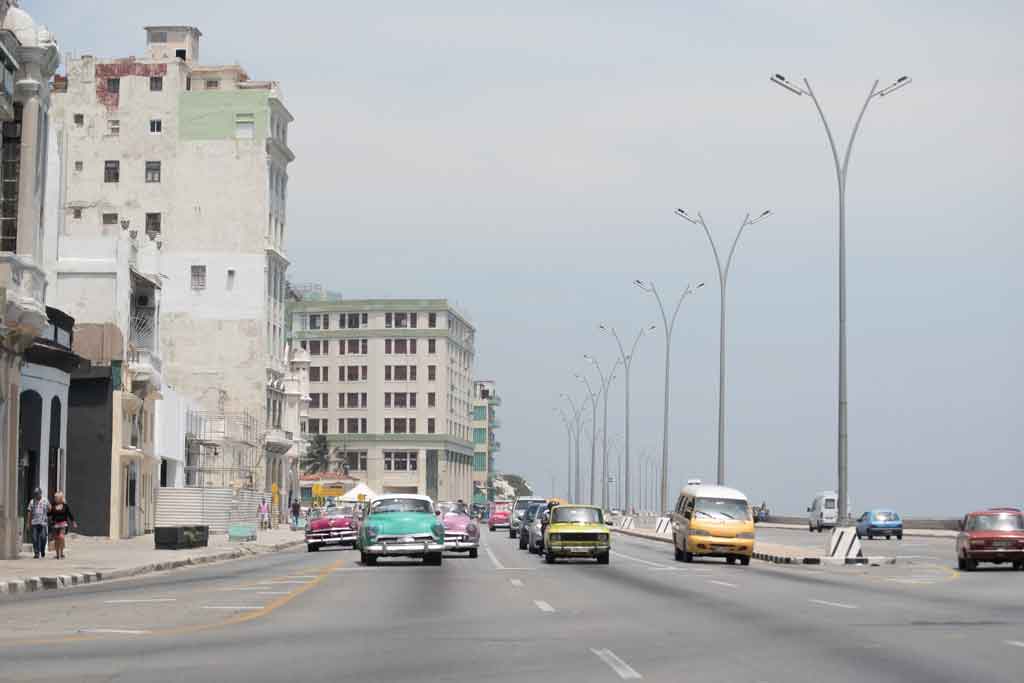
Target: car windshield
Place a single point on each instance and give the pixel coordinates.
(454, 509)
(502, 507)
(531, 512)
(886, 516)
(401, 505)
(1007, 522)
(830, 503)
(722, 508)
(572, 515)
(524, 504)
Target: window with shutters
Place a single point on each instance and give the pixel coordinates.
(198, 277)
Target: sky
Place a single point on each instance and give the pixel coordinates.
(524, 160)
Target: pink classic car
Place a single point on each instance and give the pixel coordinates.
(461, 533)
(332, 525)
(500, 514)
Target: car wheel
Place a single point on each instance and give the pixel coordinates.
(730, 560)
(888, 537)
(744, 561)
(522, 542)
(899, 536)
(491, 529)
(603, 558)
(810, 527)
(367, 560)
(312, 548)
(820, 528)
(473, 553)
(687, 555)
(971, 564)
(549, 558)
(432, 559)
(511, 533)
(858, 535)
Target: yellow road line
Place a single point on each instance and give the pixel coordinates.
(196, 628)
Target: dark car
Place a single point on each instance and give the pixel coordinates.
(995, 535)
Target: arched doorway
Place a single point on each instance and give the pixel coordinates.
(30, 418)
(53, 479)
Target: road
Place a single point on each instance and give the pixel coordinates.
(506, 616)
(917, 548)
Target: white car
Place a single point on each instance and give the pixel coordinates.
(824, 511)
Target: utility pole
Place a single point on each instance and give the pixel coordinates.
(606, 383)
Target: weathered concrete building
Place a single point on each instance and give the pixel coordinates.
(194, 159)
(28, 59)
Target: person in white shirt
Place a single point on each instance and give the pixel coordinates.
(39, 518)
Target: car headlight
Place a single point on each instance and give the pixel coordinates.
(438, 530)
(555, 538)
(602, 538)
(371, 532)
(745, 534)
(472, 529)
(699, 532)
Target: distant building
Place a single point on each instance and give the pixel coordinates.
(390, 387)
(485, 421)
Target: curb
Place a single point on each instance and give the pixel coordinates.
(62, 581)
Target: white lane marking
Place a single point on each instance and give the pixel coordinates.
(494, 559)
(278, 583)
(841, 605)
(668, 569)
(1015, 643)
(273, 593)
(118, 631)
(723, 583)
(516, 582)
(543, 606)
(237, 607)
(293, 576)
(132, 601)
(637, 559)
(625, 671)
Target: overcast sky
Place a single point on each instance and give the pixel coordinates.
(523, 160)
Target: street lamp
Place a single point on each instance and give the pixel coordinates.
(723, 278)
(606, 383)
(841, 176)
(627, 362)
(669, 326)
(593, 436)
(577, 415)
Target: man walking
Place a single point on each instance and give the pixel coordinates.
(39, 518)
(296, 511)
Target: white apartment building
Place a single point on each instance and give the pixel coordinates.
(390, 383)
(193, 157)
(485, 445)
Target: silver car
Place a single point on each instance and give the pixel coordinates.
(535, 531)
(526, 522)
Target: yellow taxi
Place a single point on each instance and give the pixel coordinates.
(577, 531)
(712, 521)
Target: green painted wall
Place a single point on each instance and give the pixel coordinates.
(479, 412)
(480, 462)
(205, 115)
(479, 435)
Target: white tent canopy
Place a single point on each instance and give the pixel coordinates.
(352, 495)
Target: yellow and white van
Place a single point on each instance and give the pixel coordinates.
(712, 521)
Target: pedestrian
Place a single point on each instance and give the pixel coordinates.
(38, 513)
(296, 511)
(264, 511)
(61, 519)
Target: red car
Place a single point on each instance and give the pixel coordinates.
(994, 535)
(333, 525)
(501, 513)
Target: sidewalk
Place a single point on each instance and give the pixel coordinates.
(90, 559)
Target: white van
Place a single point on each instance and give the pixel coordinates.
(824, 511)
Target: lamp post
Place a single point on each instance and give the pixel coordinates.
(669, 326)
(577, 418)
(841, 176)
(723, 279)
(627, 362)
(606, 383)
(593, 436)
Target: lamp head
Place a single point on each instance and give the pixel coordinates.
(780, 80)
(896, 85)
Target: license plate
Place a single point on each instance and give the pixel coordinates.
(408, 539)
(1002, 544)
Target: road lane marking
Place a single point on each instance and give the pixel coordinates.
(247, 588)
(516, 582)
(272, 593)
(1015, 643)
(841, 605)
(494, 559)
(625, 671)
(234, 607)
(295, 576)
(543, 606)
(637, 559)
(278, 583)
(132, 601)
(723, 583)
(115, 631)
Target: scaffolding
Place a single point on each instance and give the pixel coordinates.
(222, 450)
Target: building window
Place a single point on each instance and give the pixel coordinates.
(432, 320)
(353, 346)
(364, 319)
(353, 400)
(79, 120)
(401, 320)
(412, 373)
(412, 425)
(412, 400)
(400, 373)
(353, 321)
(77, 213)
(389, 320)
(114, 85)
(412, 320)
(198, 277)
(400, 400)
(110, 219)
(152, 223)
(364, 346)
(245, 126)
(387, 373)
(432, 373)
(314, 347)
(188, 79)
(353, 425)
(152, 171)
(314, 400)
(431, 399)
(431, 425)
(158, 37)
(314, 322)
(399, 425)
(113, 126)
(156, 126)
(111, 171)
(387, 399)
(387, 425)
(212, 84)
(156, 83)
(79, 166)
(387, 346)
(231, 281)
(400, 461)
(431, 346)
(353, 373)
(314, 374)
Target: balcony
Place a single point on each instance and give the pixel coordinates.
(278, 441)
(146, 366)
(24, 313)
(495, 446)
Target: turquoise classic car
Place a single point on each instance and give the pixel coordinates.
(401, 525)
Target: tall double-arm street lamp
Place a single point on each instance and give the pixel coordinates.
(627, 362)
(577, 421)
(841, 176)
(669, 326)
(606, 385)
(593, 437)
(723, 279)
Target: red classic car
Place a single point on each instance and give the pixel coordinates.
(994, 535)
(333, 525)
(500, 514)
(461, 533)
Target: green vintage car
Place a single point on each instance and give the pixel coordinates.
(401, 525)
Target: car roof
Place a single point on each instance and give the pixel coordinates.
(994, 511)
(577, 505)
(712, 491)
(403, 496)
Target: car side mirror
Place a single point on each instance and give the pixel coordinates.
(610, 523)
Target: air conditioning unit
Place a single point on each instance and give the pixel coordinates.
(142, 301)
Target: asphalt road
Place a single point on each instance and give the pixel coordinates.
(506, 616)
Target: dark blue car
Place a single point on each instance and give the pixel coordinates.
(880, 523)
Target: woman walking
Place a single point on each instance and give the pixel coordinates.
(61, 519)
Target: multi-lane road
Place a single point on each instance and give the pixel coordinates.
(506, 616)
